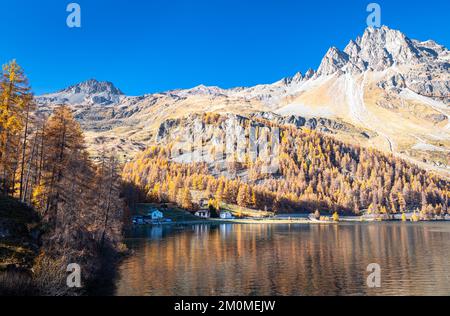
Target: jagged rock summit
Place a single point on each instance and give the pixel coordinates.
(379, 49)
(89, 92)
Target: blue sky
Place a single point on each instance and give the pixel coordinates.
(157, 45)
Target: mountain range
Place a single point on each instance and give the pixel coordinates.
(383, 90)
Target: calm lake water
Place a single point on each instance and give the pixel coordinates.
(241, 259)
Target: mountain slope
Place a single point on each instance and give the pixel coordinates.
(305, 171)
(393, 90)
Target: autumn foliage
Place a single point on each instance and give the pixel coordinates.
(44, 164)
(317, 172)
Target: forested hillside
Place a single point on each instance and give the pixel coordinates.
(44, 165)
(316, 172)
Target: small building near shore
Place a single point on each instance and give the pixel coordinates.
(226, 215)
(156, 214)
(203, 214)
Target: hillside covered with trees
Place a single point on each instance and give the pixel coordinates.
(317, 172)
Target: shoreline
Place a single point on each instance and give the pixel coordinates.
(273, 221)
(178, 216)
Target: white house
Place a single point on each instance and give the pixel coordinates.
(156, 214)
(203, 214)
(226, 215)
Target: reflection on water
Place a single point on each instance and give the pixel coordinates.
(231, 259)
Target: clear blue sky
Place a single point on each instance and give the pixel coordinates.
(157, 45)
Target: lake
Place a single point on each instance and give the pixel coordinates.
(296, 259)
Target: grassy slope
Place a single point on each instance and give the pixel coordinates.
(240, 211)
(16, 220)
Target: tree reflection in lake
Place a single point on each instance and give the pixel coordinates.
(241, 259)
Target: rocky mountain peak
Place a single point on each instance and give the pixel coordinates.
(384, 47)
(89, 92)
(352, 49)
(201, 90)
(93, 86)
(378, 49)
(310, 73)
(333, 62)
(298, 77)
